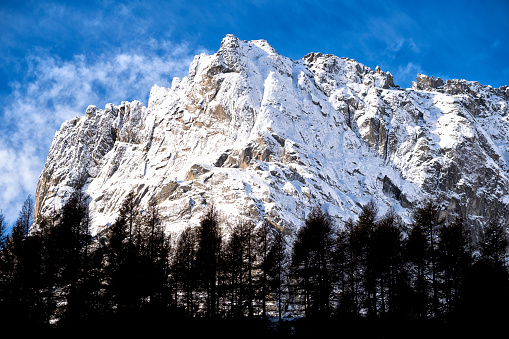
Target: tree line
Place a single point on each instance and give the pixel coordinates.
(375, 270)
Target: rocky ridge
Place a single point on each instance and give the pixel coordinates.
(262, 136)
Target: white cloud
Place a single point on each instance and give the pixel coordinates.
(393, 31)
(56, 90)
(407, 73)
(495, 44)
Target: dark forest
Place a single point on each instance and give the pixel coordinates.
(375, 276)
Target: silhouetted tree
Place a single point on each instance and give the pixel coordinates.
(454, 257)
(3, 231)
(24, 269)
(154, 259)
(233, 270)
(207, 258)
(486, 286)
(67, 250)
(5, 269)
(121, 259)
(493, 243)
(274, 266)
(422, 250)
(262, 239)
(183, 268)
(389, 265)
(25, 218)
(239, 264)
(311, 262)
(347, 261)
(363, 245)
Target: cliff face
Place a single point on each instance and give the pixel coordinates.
(262, 136)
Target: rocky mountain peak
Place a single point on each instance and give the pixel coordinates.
(265, 137)
(423, 82)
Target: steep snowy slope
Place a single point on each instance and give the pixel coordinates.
(262, 136)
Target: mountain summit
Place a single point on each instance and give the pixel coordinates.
(262, 136)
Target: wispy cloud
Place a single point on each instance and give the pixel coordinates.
(55, 90)
(405, 74)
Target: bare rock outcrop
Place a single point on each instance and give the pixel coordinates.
(265, 137)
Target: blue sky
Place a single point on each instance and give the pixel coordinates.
(57, 57)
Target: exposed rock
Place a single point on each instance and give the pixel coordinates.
(166, 191)
(265, 137)
(195, 171)
(90, 112)
(423, 82)
(221, 160)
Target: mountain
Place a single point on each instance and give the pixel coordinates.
(262, 136)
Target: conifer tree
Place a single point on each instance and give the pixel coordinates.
(275, 268)
(422, 248)
(311, 262)
(233, 271)
(262, 236)
(389, 263)
(121, 257)
(67, 244)
(207, 258)
(249, 259)
(454, 260)
(493, 243)
(25, 277)
(184, 269)
(347, 260)
(25, 218)
(5, 271)
(3, 230)
(4, 266)
(363, 245)
(486, 285)
(239, 260)
(154, 258)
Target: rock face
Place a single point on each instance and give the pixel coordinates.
(262, 136)
(423, 82)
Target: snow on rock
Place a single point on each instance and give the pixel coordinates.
(262, 136)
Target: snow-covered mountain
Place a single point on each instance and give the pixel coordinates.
(262, 136)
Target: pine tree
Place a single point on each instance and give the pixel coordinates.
(233, 270)
(454, 259)
(347, 261)
(68, 248)
(3, 230)
(493, 243)
(184, 269)
(363, 245)
(249, 260)
(25, 218)
(239, 262)
(121, 255)
(311, 262)
(422, 249)
(486, 285)
(5, 270)
(154, 259)
(274, 266)
(207, 258)
(24, 282)
(262, 239)
(389, 263)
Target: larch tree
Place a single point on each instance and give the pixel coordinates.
(208, 257)
(311, 262)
